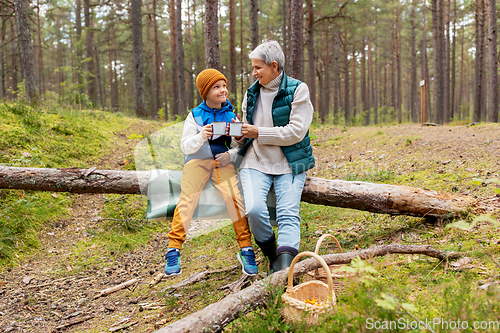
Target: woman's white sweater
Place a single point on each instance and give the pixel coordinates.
(265, 154)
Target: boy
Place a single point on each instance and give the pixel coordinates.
(209, 156)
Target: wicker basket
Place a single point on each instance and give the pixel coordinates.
(295, 309)
(338, 277)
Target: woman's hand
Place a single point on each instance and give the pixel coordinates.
(250, 131)
(223, 159)
(206, 131)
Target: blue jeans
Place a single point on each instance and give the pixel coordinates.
(288, 189)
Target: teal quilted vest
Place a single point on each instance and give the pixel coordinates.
(299, 155)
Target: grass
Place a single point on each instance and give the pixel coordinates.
(55, 137)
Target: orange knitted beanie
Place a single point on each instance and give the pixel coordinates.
(206, 79)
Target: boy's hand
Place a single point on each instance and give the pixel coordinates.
(223, 159)
(250, 131)
(206, 131)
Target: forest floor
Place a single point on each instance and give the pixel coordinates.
(57, 288)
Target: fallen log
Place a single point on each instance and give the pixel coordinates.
(73, 180)
(389, 199)
(377, 198)
(216, 316)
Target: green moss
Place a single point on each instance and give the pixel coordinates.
(46, 138)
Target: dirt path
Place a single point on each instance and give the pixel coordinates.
(46, 291)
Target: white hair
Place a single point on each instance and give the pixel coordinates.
(268, 52)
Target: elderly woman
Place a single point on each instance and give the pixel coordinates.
(277, 113)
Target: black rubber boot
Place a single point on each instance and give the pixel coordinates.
(284, 260)
(269, 249)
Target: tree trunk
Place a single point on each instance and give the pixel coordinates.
(242, 48)
(180, 59)
(325, 94)
(137, 49)
(89, 67)
(347, 109)
(40, 53)
(216, 316)
(413, 81)
(59, 59)
(336, 74)
(354, 82)
(116, 104)
(199, 63)
(98, 79)
(478, 68)
(173, 57)
(111, 65)
(285, 33)
(425, 61)
(220, 25)
(461, 89)
(493, 59)
(254, 23)
(399, 88)
(78, 28)
(369, 83)
(232, 51)
(377, 198)
(362, 78)
(2, 62)
(190, 71)
(453, 74)
(27, 55)
(310, 47)
(13, 57)
(446, 62)
(394, 61)
(297, 44)
(212, 57)
(320, 71)
(376, 88)
(438, 39)
(152, 68)
(157, 63)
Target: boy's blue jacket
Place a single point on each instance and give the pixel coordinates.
(203, 115)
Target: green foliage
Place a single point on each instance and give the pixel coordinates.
(22, 215)
(161, 114)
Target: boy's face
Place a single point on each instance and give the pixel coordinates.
(263, 72)
(217, 94)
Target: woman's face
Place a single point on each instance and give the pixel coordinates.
(263, 72)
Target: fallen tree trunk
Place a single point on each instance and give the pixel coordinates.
(389, 199)
(73, 180)
(377, 198)
(216, 316)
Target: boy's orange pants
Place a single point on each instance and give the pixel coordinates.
(194, 177)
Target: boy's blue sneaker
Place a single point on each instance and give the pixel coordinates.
(247, 260)
(173, 265)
